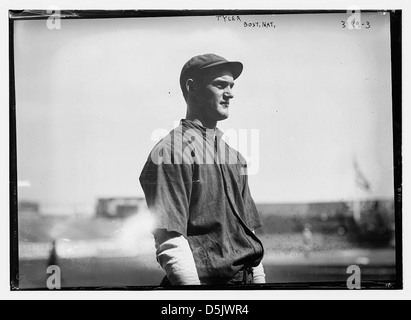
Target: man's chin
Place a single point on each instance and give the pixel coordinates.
(224, 116)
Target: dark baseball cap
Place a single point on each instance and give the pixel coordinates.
(196, 64)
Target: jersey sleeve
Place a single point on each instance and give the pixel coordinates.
(167, 188)
(253, 217)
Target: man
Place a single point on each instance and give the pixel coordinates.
(196, 187)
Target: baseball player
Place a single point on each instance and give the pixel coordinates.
(196, 188)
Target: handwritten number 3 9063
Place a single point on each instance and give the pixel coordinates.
(345, 24)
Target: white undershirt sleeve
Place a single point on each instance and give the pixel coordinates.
(176, 258)
(259, 274)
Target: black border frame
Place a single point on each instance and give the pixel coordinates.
(14, 241)
(396, 65)
(396, 78)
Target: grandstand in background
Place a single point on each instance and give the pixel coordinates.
(119, 207)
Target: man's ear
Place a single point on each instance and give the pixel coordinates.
(190, 86)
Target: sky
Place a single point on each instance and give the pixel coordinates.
(91, 95)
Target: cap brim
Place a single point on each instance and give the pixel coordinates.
(235, 67)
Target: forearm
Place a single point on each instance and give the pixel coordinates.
(176, 258)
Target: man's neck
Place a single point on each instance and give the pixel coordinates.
(202, 122)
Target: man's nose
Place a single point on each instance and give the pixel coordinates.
(228, 94)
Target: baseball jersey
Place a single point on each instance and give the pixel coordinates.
(196, 185)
